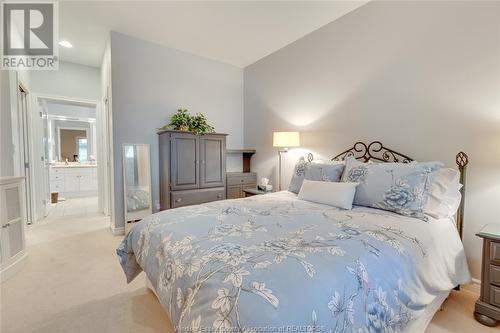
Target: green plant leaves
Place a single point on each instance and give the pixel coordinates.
(183, 121)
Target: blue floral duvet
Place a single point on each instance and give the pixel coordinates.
(275, 263)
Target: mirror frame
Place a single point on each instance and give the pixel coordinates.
(129, 220)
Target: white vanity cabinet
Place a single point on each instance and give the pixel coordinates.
(74, 181)
(13, 244)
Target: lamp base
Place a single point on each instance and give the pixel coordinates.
(281, 151)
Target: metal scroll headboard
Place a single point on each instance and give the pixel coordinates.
(377, 152)
(461, 160)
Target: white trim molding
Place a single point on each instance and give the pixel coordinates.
(120, 231)
(14, 267)
(473, 287)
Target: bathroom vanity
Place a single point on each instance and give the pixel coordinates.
(74, 179)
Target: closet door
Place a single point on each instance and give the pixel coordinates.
(212, 161)
(12, 223)
(184, 161)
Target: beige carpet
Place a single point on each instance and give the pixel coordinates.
(73, 283)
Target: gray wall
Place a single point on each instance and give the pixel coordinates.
(150, 82)
(424, 78)
(6, 145)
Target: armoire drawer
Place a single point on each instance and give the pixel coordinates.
(495, 295)
(198, 196)
(242, 178)
(495, 253)
(495, 275)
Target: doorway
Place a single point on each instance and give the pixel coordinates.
(68, 179)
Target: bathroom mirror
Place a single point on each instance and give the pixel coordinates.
(73, 143)
(136, 183)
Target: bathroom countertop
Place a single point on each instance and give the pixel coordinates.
(76, 165)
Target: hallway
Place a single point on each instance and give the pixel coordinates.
(74, 206)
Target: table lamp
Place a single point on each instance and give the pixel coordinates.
(284, 140)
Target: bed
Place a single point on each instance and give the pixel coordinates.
(274, 263)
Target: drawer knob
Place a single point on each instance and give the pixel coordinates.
(178, 200)
(219, 195)
(242, 180)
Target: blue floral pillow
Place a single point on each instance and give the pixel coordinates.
(299, 173)
(397, 187)
(328, 172)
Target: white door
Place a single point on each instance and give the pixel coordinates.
(45, 172)
(109, 154)
(4, 233)
(26, 158)
(101, 149)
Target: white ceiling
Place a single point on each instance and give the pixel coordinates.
(234, 32)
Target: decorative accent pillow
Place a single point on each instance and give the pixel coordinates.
(327, 172)
(299, 174)
(338, 195)
(444, 193)
(397, 187)
(354, 169)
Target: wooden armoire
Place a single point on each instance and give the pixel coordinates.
(192, 168)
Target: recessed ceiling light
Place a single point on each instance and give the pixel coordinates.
(65, 43)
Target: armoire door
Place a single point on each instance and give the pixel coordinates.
(184, 161)
(212, 161)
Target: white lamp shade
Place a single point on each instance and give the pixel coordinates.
(286, 139)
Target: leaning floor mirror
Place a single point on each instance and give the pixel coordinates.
(136, 183)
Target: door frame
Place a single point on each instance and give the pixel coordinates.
(25, 160)
(19, 80)
(35, 100)
(107, 156)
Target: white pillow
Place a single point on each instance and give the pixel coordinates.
(444, 193)
(339, 195)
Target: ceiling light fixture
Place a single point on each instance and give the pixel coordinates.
(65, 43)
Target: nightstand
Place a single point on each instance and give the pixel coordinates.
(250, 192)
(487, 310)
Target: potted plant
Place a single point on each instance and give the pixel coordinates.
(180, 121)
(199, 125)
(183, 121)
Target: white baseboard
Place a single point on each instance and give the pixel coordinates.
(474, 286)
(9, 271)
(118, 231)
(476, 281)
